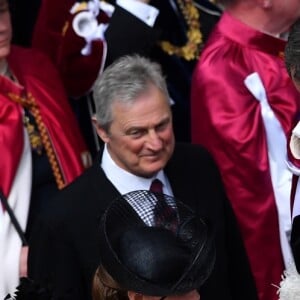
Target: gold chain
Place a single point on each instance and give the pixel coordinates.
(192, 48)
(31, 104)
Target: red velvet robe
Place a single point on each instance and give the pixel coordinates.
(54, 35)
(37, 77)
(226, 118)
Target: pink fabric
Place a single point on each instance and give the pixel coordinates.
(226, 118)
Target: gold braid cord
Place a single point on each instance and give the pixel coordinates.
(30, 103)
(192, 48)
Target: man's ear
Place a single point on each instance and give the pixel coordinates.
(100, 131)
(134, 296)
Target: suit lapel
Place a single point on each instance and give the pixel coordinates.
(179, 177)
(101, 188)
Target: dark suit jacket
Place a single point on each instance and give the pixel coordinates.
(64, 251)
(295, 241)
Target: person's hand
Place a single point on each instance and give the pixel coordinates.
(23, 261)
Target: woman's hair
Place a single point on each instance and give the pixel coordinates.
(104, 287)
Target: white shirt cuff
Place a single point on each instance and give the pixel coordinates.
(142, 11)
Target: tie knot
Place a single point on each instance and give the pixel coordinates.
(156, 186)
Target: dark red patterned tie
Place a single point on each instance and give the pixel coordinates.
(156, 186)
(164, 214)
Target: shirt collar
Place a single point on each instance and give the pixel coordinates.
(126, 182)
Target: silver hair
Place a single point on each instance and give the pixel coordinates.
(123, 81)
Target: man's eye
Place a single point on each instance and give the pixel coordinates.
(135, 133)
(162, 126)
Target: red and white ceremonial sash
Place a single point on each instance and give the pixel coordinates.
(281, 176)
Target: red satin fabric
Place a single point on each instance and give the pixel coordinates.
(53, 34)
(37, 76)
(226, 119)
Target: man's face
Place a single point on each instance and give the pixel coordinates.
(5, 29)
(140, 139)
(288, 11)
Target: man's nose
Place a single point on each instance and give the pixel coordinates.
(154, 141)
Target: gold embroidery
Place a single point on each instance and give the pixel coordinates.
(192, 48)
(30, 103)
(34, 136)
